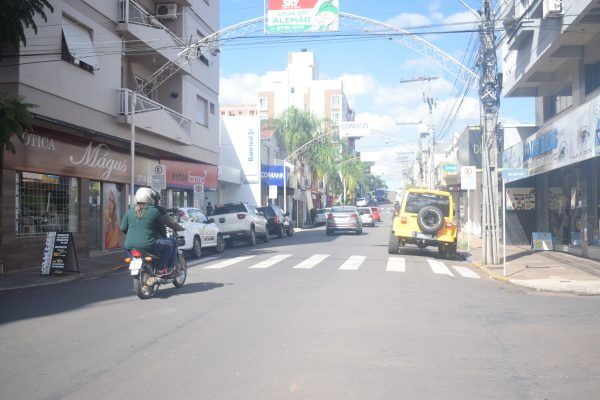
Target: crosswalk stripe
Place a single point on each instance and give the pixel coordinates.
(438, 267)
(466, 272)
(396, 264)
(353, 263)
(271, 261)
(227, 263)
(311, 261)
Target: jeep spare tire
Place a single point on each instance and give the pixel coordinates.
(430, 219)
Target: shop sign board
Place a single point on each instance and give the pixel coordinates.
(520, 199)
(59, 254)
(272, 191)
(159, 178)
(568, 140)
(272, 174)
(296, 16)
(541, 241)
(185, 175)
(354, 129)
(450, 168)
(513, 174)
(468, 178)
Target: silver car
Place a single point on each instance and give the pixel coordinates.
(343, 218)
(321, 217)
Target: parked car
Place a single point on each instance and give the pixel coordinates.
(277, 223)
(343, 218)
(424, 218)
(376, 213)
(366, 216)
(321, 217)
(200, 231)
(241, 221)
(361, 202)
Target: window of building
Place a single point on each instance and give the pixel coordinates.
(263, 104)
(558, 102)
(335, 118)
(77, 47)
(202, 111)
(252, 112)
(46, 203)
(264, 117)
(336, 101)
(591, 74)
(212, 108)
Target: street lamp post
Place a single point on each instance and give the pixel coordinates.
(132, 145)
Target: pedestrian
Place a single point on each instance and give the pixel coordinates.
(209, 209)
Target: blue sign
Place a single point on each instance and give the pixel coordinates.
(450, 168)
(514, 174)
(272, 174)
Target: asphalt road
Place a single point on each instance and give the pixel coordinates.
(327, 318)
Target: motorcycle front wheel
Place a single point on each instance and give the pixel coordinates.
(181, 270)
(140, 286)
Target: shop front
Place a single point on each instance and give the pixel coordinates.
(61, 182)
(190, 184)
(563, 163)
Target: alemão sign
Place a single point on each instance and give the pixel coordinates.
(294, 16)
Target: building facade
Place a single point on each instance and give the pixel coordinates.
(74, 170)
(552, 55)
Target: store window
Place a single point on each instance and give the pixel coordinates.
(558, 102)
(46, 203)
(202, 111)
(591, 74)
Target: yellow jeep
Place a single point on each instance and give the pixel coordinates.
(424, 218)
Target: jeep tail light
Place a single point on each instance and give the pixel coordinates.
(449, 224)
(403, 220)
(136, 253)
(241, 216)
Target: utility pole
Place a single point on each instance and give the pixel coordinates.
(489, 90)
(431, 103)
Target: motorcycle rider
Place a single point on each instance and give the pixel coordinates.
(145, 227)
(169, 223)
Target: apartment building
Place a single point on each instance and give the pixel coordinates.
(551, 53)
(74, 170)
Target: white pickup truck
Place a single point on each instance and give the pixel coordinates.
(240, 221)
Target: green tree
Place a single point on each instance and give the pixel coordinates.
(16, 16)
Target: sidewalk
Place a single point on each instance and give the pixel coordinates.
(541, 270)
(88, 268)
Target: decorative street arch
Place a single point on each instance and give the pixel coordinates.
(213, 42)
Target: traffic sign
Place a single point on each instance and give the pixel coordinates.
(158, 179)
(468, 178)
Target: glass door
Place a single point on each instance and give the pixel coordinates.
(95, 214)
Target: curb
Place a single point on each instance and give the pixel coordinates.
(490, 274)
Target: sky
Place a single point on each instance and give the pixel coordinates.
(372, 69)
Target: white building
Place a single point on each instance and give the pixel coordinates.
(552, 54)
(73, 172)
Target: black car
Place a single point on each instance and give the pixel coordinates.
(278, 223)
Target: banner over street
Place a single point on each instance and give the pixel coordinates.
(296, 16)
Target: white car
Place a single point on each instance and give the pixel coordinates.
(366, 216)
(200, 231)
(321, 217)
(361, 202)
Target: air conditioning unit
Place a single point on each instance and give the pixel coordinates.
(166, 10)
(552, 8)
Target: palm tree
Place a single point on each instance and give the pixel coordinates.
(17, 15)
(15, 119)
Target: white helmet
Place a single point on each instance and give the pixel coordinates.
(144, 195)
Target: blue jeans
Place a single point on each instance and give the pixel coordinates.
(164, 248)
(173, 258)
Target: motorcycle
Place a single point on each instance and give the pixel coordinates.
(142, 268)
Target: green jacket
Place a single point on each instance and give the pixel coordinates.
(142, 233)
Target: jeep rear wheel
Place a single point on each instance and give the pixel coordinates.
(393, 243)
(430, 219)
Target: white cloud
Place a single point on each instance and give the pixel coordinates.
(409, 20)
(357, 85)
(239, 89)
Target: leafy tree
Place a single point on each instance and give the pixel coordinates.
(16, 16)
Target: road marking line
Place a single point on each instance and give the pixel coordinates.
(271, 261)
(396, 264)
(312, 261)
(353, 263)
(466, 272)
(227, 263)
(202, 261)
(438, 267)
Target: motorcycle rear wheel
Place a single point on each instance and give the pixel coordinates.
(181, 270)
(142, 290)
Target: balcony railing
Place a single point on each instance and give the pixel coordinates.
(144, 104)
(134, 13)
